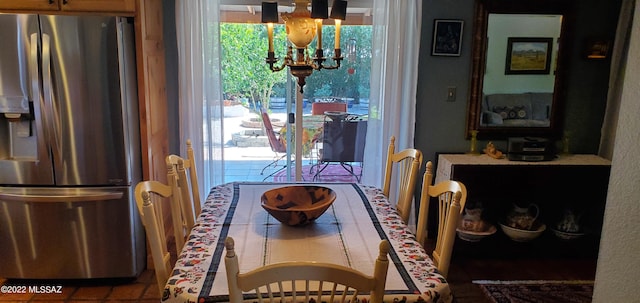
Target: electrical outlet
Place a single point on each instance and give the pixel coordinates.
(451, 94)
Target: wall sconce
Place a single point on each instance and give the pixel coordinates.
(302, 26)
(597, 49)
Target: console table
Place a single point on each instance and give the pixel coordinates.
(576, 182)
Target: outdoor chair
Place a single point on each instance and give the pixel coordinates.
(277, 146)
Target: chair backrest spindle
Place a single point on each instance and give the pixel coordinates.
(193, 176)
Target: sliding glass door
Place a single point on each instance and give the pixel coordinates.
(249, 86)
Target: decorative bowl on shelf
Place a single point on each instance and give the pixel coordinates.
(475, 236)
(522, 235)
(297, 205)
(563, 235)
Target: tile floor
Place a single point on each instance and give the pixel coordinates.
(246, 164)
(142, 289)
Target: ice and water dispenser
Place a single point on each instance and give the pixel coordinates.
(17, 135)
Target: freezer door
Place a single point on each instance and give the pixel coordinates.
(24, 156)
(85, 91)
(14, 59)
(70, 233)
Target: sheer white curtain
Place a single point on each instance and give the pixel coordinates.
(200, 86)
(394, 75)
(396, 32)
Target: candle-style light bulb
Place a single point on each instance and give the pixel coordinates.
(338, 22)
(319, 33)
(270, 33)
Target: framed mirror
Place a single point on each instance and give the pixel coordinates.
(517, 75)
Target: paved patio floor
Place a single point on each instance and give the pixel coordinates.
(246, 163)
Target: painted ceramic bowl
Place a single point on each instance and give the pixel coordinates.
(522, 235)
(297, 205)
(475, 236)
(563, 235)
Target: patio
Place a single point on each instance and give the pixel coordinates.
(245, 162)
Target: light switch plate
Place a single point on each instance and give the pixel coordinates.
(451, 94)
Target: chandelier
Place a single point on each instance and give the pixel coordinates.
(302, 26)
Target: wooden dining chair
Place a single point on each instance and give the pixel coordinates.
(148, 194)
(452, 196)
(187, 183)
(408, 162)
(270, 283)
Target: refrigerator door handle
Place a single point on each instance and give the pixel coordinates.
(36, 95)
(44, 197)
(47, 87)
(33, 66)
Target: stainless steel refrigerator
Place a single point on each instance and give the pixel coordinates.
(69, 148)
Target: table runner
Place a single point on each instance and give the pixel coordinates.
(347, 234)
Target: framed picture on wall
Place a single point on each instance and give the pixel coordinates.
(528, 55)
(447, 37)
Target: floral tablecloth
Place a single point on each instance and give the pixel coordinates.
(347, 234)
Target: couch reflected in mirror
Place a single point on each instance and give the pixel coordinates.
(516, 110)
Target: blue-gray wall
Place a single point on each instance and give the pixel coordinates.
(440, 125)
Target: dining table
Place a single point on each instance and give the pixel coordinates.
(348, 234)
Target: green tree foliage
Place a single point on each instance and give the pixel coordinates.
(351, 80)
(244, 71)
